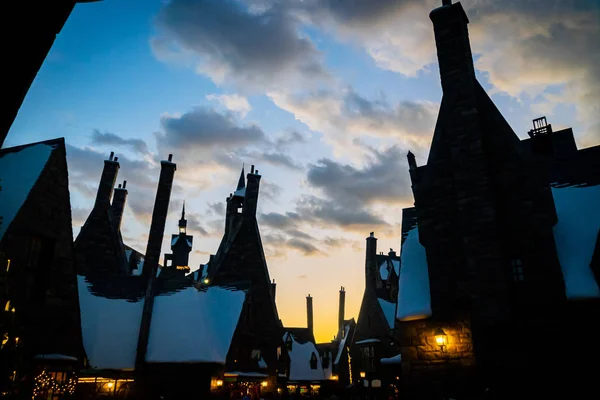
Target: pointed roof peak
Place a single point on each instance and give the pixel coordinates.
(242, 181)
(183, 211)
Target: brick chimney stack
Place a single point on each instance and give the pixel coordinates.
(453, 48)
(159, 216)
(371, 260)
(107, 181)
(309, 313)
(157, 230)
(251, 199)
(118, 204)
(342, 308)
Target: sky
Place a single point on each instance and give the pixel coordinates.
(324, 97)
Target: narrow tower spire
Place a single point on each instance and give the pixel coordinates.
(182, 221)
(242, 181)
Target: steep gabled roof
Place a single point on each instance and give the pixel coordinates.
(20, 168)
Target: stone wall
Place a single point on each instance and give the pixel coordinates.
(426, 369)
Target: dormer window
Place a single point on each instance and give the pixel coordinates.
(239, 210)
(313, 361)
(182, 230)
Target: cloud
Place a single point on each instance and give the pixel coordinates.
(217, 208)
(384, 179)
(277, 220)
(328, 212)
(206, 129)
(110, 139)
(305, 248)
(288, 140)
(343, 115)
(195, 225)
(253, 48)
(232, 102)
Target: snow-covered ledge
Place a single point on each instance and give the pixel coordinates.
(60, 357)
(397, 359)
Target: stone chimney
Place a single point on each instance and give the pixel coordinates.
(107, 181)
(273, 289)
(159, 216)
(453, 48)
(157, 230)
(371, 260)
(309, 313)
(342, 308)
(118, 204)
(251, 199)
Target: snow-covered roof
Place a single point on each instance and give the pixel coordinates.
(383, 270)
(575, 234)
(342, 344)
(174, 240)
(19, 171)
(240, 192)
(57, 357)
(389, 310)
(397, 359)
(110, 328)
(300, 356)
(189, 243)
(367, 341)
(193, 325)
(262, 363)
(247, 374)
(414, 298)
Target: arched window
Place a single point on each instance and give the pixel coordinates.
(7, 306)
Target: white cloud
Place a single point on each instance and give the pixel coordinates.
(233, 102)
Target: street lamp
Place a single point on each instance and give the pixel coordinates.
(362, 374)
(441, 338)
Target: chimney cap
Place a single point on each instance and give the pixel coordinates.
(112, 154)
(124, 184)
(170, 157)
(446, 2)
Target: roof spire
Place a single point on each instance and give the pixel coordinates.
(242, 181)
(183, 211)
(182, 221)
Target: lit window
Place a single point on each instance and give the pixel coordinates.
(182, 229)
(7, 265)
(517, 270)
(255, 354)
(278, 352)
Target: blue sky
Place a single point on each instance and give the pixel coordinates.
(324, 97)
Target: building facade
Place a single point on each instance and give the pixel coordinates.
(489, 281)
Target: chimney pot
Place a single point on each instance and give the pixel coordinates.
(170, 157)
(124, 184)
(446, 2)
(119, 186)
(252, 169)
(112, 154)
(116, 159)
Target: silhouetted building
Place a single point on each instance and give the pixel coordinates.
(30, 30)
(373, 339)
(39, 319)
(499, 257)
(177, 263)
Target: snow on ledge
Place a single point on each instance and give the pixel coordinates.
(55, 357)
(575, 234)
(19, 171)
(194, 326)
(342, 344)
(397, 359)
(414, 298)
(368, 341)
